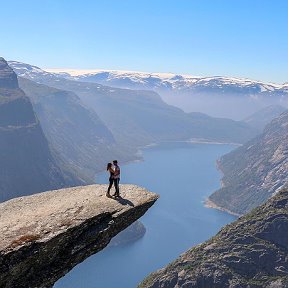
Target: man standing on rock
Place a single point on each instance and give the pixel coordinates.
(116, 178)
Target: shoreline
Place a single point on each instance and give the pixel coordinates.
(191, 141)
(139, 154)
(207, 202)
(205, 141)
(210, 204)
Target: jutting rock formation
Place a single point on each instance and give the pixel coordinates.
(252, 252)
(45, 235)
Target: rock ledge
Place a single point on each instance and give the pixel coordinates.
(43, 236)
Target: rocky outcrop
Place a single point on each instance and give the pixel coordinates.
(251, 252)
(43, 236)
(8, 79)
(26, 162)
(254, 171)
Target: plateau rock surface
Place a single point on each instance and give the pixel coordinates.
(45, 235)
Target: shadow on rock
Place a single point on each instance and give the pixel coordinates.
(124, 201)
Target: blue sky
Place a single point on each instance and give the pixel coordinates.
(237, 38)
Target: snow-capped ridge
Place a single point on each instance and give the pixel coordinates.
(176, 81)
(152, 81)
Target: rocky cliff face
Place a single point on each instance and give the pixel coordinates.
(8, 79)
(26, 163)
(251, 252)
(255, 170)
(80, 139)
(43, 236)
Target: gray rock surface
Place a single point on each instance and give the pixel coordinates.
(45, 235)
(8, 78)
(252, 252)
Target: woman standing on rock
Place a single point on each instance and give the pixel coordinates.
(111, 179)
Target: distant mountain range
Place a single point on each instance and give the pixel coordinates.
(152, 81)
(87, 125)
(230, 97)
(254, 171)
(140, 117)
(26, 161)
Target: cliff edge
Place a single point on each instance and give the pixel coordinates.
(27, 163)
(45, 235)
(252, 252)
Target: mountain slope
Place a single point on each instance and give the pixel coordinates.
(252, 252)
(27, 165)
(220, 129)
(76, 133)
(253, 172)
(261, 118)
(143, 114)
(152, 81)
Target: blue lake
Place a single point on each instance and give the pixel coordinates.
(184, 175)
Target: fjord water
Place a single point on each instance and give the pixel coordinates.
(184, 174)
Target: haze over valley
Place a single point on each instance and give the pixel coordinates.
(114, 177)
(217, 96)
(83, 121)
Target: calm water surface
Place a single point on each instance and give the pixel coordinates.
(184, 175)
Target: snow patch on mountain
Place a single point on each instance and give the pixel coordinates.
(153, 81)
(164, 80)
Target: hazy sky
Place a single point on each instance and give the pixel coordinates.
(242, 38)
